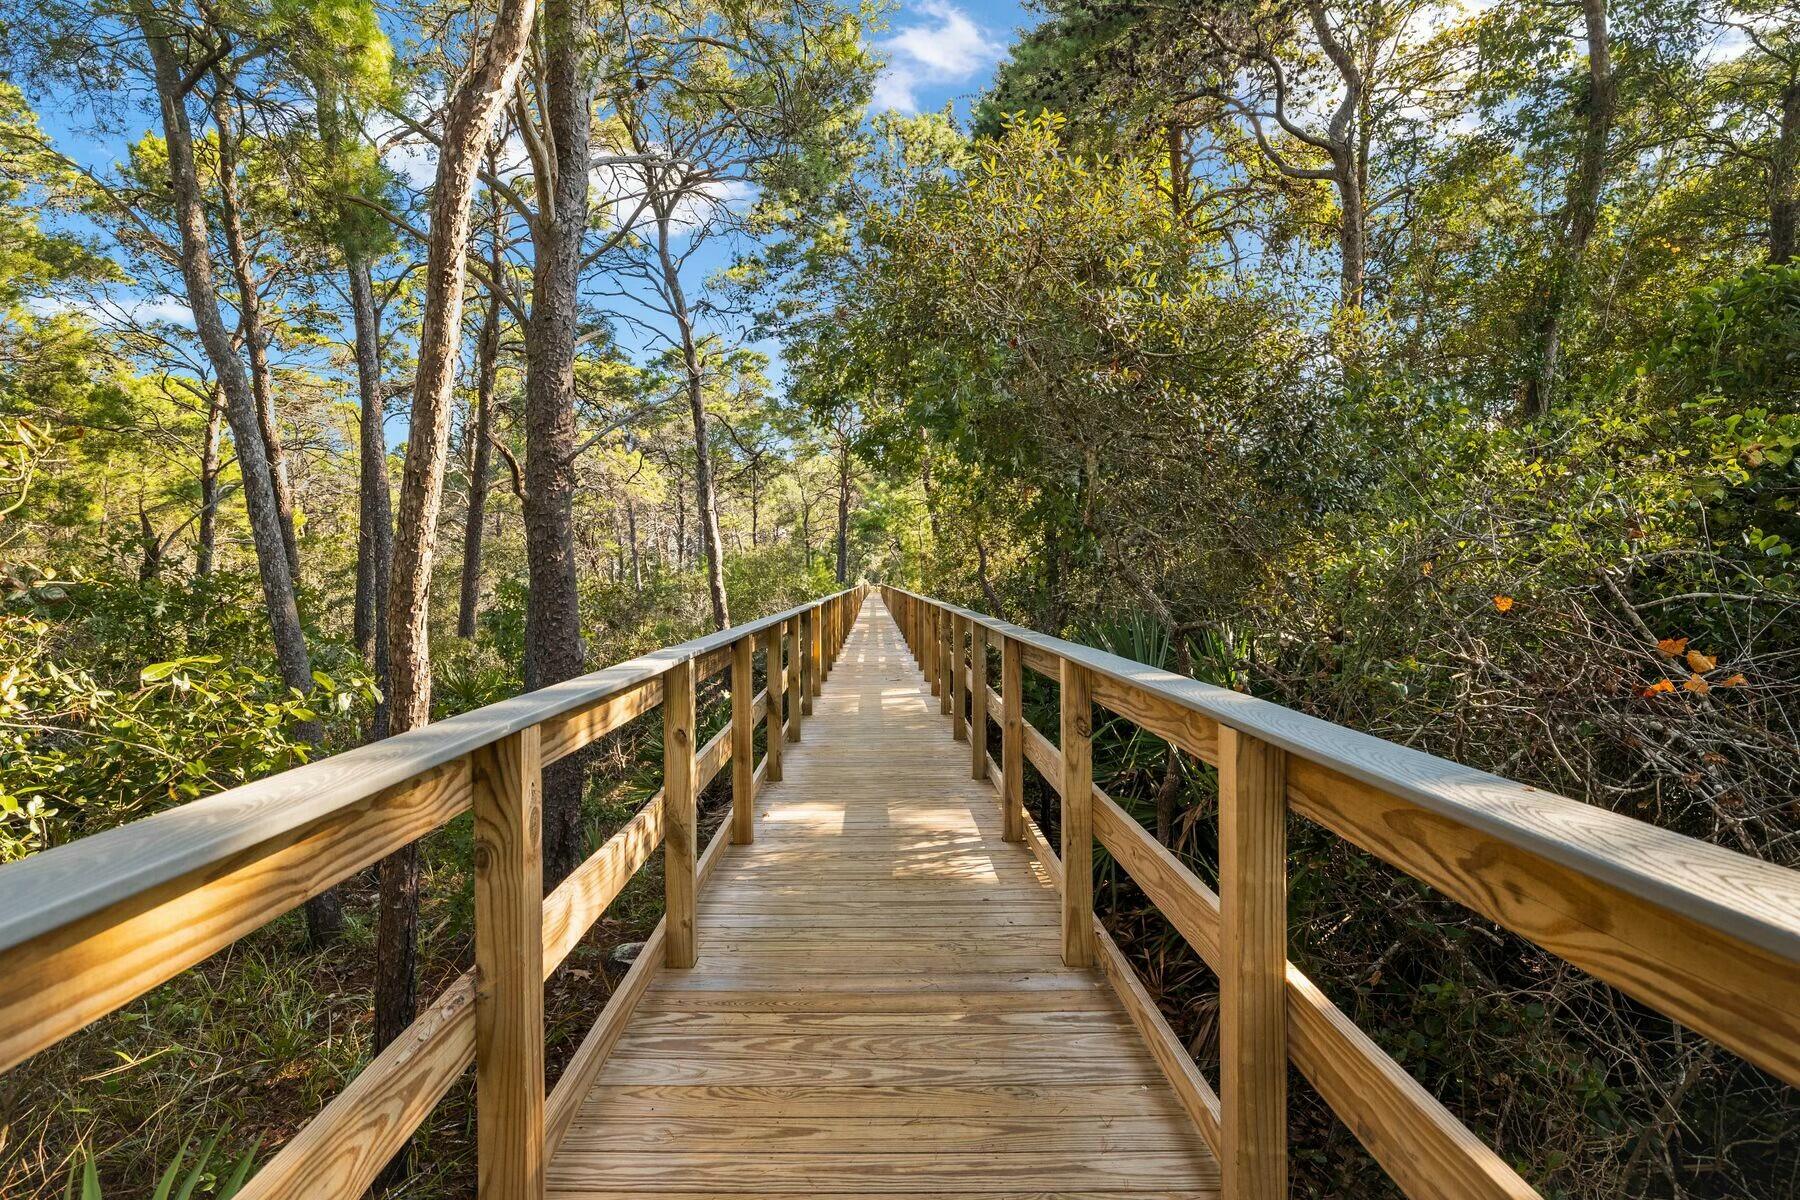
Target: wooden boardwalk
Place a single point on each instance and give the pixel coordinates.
(880, 1005)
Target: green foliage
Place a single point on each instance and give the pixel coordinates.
(94, 733)
(202, 1177)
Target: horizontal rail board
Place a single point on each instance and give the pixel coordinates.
(72, 975)
(1754, 901)
(1195, 1094)
(564, 735)
(1417, 1141)
(578, 901)
(1737, 994)
(341, 1150)
(58, 887)
(564, 1101)
(1702, 934)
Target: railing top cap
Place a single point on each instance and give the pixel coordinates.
(1755, 901)
(57, 887)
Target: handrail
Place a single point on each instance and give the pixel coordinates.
(67, 883)
(86, 928)
(1708, 937)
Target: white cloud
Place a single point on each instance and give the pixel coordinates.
(117, 312)
(943, 49)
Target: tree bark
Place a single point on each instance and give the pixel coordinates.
(323, 915)
(375, 524)
(250, 322)
(843, 514)
(481, 433)
(1582, 210)
(1784, 179)
(1342, 144)
(704, 495)
(553, 646)
(210, 454)
(468, 124)
(637, 559)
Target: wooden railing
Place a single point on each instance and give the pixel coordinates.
(88, 927)
(1705, 936)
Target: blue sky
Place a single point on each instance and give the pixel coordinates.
(940, 52)
(936, 52)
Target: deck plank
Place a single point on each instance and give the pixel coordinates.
(880, 1005)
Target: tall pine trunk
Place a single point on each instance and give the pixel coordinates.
(1581, 212)
(481, 450)
(843, 514)
(250, 323)
(468, 124)
(553, 647)
(199, 279)
(375, 524)
(705, 496)
(1784, 179)
(210, 455)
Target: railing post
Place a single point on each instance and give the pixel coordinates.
(930, 637)
(796, 681)
(945, 687)
(1012, 740)
(1252, 973)
(959, 676)
(815, 655)
(509, 976)
(743, 741)
(1077, 817)
(678, 813)
(776, 689)
(978, 708)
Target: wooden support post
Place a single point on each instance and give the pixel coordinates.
(743, 741)
(1012, 740)
(928, 636)
(509, 975)
(978, 718)
(815, 666)
(945, 688)
(1077, 817)
(795, 679)
(776, 689)
(1252, 972)
(959, 679)
(678, 814)
(809, 663)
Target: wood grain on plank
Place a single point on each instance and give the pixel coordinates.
(74, 974)
(509, 962)
(1012, 742)
(1252, 956)
(1738, 994)
(680, 788)
(564, 735)
(879, 957)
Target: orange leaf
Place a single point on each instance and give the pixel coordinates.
(1696, 685)
(1734, 681)
(1657, 688)
(1503, 603)
(1670, 647)
(1425, 567)
(1697, 661)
